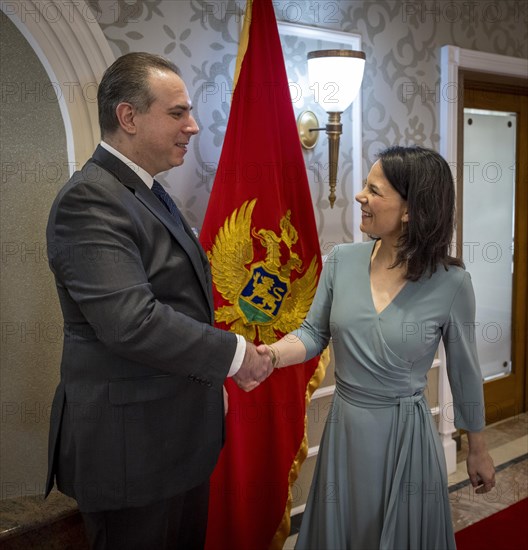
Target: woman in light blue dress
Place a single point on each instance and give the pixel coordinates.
(380, 481)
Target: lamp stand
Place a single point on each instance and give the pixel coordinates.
(307, 125)
(334, 129)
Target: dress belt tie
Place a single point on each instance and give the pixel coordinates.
(361, 398)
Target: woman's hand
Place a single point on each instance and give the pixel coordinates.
(289, 350)
(480, 464)
(271, 352)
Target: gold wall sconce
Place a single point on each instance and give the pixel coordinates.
(335, 77)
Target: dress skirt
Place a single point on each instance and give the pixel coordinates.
(380, 480)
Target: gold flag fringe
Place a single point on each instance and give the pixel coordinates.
(244, 41)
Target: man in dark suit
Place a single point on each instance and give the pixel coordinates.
(138, 417)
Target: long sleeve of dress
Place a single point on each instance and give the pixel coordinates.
(315, 332)
(463, 368)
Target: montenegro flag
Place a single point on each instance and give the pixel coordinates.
(260, 236)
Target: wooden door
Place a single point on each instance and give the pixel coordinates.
(505, 393)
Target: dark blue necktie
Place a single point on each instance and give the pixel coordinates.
(185, 240)
(166, 199)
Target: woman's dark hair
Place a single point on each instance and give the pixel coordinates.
(423, 179)
(126, 80)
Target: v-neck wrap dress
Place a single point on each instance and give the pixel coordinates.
(380, 481)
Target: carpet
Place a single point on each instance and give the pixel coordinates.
(505, 530)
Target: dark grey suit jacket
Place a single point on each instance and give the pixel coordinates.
(138, 414)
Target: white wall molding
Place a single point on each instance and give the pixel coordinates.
(446, 424)
(71, 46)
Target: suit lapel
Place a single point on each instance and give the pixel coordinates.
(183, 235)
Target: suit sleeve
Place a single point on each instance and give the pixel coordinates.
(94, 253)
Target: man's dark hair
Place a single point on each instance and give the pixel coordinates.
(126, 80)
(422, 178)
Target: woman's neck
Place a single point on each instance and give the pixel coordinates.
(385, 253)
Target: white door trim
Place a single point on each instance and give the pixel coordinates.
(453, 59)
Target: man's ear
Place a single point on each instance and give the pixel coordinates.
(125, 114)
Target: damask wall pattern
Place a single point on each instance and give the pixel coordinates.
(401, 88)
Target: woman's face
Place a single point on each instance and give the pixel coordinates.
(382, 208)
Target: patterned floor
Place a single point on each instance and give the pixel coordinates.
(508, 445)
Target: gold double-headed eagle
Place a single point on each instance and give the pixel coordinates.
(264, 302)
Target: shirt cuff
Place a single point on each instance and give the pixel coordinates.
(239, 356)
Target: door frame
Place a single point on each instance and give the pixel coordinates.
(455, 62)
(452, 60)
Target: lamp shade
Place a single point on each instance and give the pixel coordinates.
(335, 77)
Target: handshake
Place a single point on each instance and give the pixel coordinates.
(257, 365)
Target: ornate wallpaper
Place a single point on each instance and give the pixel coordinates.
(401, 88)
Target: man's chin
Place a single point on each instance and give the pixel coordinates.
(177, 162)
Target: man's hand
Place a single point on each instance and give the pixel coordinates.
(254, 370)
(226, 401)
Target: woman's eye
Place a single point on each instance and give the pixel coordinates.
(369, 188)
